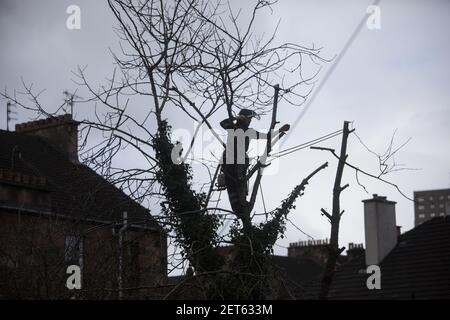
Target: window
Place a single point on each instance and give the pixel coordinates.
(421, 207)
(71, 248)
(441, 198)
(420, 199)
(431, 198)
(441, 214)
(432, 206)
(441, 206)
(432, 214)
(421, 216)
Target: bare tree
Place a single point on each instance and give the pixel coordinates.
(385, 167)
(186, 58)
(195, 59)
(334, 218)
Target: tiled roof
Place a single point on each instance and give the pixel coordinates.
(75, 190)
(297, 273)
(417, 268)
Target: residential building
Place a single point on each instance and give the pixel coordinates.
(429, 204)
(56, 212)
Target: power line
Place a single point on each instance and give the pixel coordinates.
(299, 229)
(333, 67)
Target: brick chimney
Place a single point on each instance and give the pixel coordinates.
(61, 132)
(380, 228)
(354, 250)
(316, 250)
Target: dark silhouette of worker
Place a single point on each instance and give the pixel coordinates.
(235, 159)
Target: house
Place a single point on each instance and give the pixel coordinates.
(56, 212)
(431, 203)
(304, 266)
(412, 265)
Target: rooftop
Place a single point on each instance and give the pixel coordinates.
(417, 268)
(75, 190)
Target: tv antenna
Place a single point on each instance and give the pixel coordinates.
(9, 113)
(69, 100)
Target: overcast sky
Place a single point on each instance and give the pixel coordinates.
(396, 77)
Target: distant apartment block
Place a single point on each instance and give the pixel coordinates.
(430, 204)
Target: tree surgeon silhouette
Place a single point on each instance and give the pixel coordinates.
(235, 159)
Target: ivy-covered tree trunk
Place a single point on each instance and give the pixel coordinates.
(195, 228)
(248, 274)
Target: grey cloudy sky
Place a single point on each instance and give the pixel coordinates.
(393, 78)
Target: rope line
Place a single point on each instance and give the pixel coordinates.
(329, 134)
(304, 145)
(263, 201)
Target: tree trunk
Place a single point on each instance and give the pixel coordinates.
(333, 250)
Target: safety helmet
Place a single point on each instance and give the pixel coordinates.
(249, 114)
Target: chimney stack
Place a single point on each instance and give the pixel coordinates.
(380, 228)
(316, 250)
(61, 132)
(354, 250)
